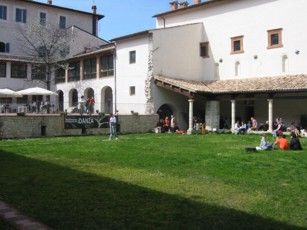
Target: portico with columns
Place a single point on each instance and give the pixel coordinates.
(229, 100)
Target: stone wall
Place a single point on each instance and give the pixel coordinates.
(28, 126)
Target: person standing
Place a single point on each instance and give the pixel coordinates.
(82, 105)
(167, 124)
(91, 105)
(173, 123)
(112, 124)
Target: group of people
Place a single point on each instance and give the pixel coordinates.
(168, 124)
(242, 127)
(87, 105)
(281, 142)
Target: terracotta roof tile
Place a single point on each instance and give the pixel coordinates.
(287, 83)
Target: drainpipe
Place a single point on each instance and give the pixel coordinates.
(115, 83)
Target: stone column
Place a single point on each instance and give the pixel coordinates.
(29, 72)
(270, 110)
(81, 70)
(233, 114)
(212, 115)
(8, 70)
(66, 74)
(97, 67)
(191, 101)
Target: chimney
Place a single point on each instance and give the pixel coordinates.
(174, 5)
(197, 2)
(95, 21)
(94, 8)
(183, 4)
(49, 2)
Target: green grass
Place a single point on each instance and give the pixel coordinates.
(155, 181)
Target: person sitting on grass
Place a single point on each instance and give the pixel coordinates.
(295, 143)
(264, 145)
(281, 142)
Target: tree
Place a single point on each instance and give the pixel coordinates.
(48, 46)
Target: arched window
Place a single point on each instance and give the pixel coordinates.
(73, 97)
(237, 68)
(285, 63)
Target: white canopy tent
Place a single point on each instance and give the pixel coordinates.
(37, 91)
(9, 93)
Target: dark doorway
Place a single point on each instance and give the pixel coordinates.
(164, 110)
(249, 112)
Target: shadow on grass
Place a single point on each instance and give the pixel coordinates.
(68, 199)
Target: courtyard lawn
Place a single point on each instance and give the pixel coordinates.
(155, 181)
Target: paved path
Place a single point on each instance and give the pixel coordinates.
(17, 220)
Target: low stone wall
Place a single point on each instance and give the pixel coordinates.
(38, 125)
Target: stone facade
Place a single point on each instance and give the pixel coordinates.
(29, 126)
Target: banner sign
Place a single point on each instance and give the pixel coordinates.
(79, 122)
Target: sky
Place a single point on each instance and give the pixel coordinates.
(122, 17)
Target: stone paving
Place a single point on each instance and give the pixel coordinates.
(19, 221)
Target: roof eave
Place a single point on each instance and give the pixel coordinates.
(129, 36)
(186, 8)
(99, 16)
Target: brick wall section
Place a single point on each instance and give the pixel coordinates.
(31, 125)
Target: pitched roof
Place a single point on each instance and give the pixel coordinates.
(99, 16)
(137, 34)
(287, 83)
(188, 7)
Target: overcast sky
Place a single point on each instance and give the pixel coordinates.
(122, 17)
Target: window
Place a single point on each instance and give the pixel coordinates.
(38, 72)
(132, 57)
(73, 97)
(18, 70)
(275, 39)
(4, 47)
(60, 75)
(132, 90)
(21, 15)
(74, 71)
(89, 68)
(237, 45)
(3, 12)
(42, 18)
(204, 49)
(62, 22)
(2, 69)
(107, 65)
